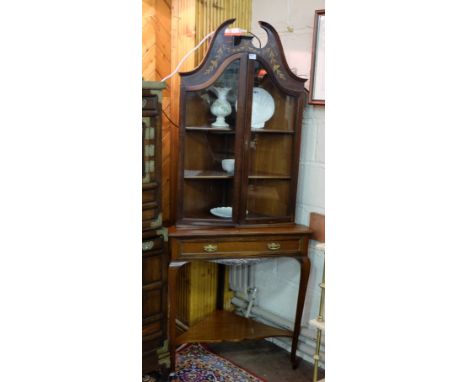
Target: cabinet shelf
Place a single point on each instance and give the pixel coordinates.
(150, 186)
(226, 326)
(271, 131)
(218, 130)
(201, 175)
(270, 177)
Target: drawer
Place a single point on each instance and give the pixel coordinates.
(152, 342)
(150, 215)
(152, 328)
(153, 244)
(149, 196)
(152, 302)
(152, 268)
(149, 102)
(150, 361)
(240, 246)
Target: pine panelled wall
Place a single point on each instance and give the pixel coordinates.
(170, 30)
(156, 64)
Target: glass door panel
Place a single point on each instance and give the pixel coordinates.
(272, 109)
(270, 155)
(209, 165)
(214, 107)
(267, 199)
(270, 149)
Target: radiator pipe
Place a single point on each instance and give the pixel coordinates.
(307, 344)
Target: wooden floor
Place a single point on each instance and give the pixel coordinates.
(266, 360)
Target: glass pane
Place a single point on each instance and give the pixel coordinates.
(270, 155)
(271, 148)
(202, 197)
(209, 156)
(207, 152)
(272, 109)
(267, 198)
(215, 106)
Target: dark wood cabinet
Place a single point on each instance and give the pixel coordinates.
(239, 142)
(154, 246)
(240, 129)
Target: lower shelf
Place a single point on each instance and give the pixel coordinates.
(226, 326)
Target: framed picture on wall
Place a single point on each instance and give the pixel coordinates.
(317, 67)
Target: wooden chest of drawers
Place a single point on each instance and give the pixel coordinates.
(154, 248)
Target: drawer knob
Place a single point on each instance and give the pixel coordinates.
(274, 246)
(210, 248)
(147, 245)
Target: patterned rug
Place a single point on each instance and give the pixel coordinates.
(195, 363)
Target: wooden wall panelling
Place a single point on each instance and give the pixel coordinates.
(163, 69)
(149, 40)
(196, 285)
(156, 64)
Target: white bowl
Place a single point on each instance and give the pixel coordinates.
(228, 165)
(222, 212)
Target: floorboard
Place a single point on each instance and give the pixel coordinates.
(266, 360)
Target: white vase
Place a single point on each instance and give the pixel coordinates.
(220, 108)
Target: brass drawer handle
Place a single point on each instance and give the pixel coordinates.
(147, 245)
(274, 246)
(210, 248)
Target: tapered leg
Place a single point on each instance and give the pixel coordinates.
(305, 270)
(172, 309)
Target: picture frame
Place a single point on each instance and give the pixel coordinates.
(317, 67)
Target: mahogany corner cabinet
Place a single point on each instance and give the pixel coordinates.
(239, 144)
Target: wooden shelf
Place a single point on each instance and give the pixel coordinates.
(270, 177)
(271, 131)
(207, 175)
(226, 326)
(225, 130)
(149, 186)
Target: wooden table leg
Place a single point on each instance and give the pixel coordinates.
(172, 310)
(305, 270)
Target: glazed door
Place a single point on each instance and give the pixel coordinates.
(210, 143)
(271, 145)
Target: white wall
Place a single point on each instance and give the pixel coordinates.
(278, 280)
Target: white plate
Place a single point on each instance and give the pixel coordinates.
(222, 212)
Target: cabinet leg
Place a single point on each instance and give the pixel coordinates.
(172, 310)
(305, 270)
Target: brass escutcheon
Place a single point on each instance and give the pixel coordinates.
(274, 246)
(210, 248)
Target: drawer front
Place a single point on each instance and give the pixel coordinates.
(241, 247)
(152, 244)
(150, 214)
(150, 196)
(152, 328)
(149, 102)
(152, 302)
(152, 342)
(152, 268)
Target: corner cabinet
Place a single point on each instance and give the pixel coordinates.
(240, 129)
(239, 143)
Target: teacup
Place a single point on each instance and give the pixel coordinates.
(228, 165)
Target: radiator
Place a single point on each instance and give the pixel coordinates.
(242, 277)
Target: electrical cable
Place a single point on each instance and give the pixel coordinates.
(186, 56)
